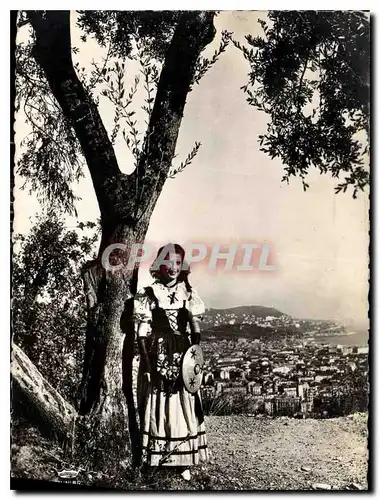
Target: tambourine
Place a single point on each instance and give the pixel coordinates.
(192, 368)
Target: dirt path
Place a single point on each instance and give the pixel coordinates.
(268, 454)
(247, 454)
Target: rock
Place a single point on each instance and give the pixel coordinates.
(354, 486)
(321, 486)
(68, 474)
(186, 475)
(304, 468)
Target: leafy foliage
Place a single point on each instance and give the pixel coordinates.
(225, 404)
(50, 158)
(144, 37)
(121, 28)
(351, 397)
(310, 74)
(48, 304)
(150, 72)
(190, 157)
(204, 64)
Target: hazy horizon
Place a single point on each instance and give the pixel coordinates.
(352, 324)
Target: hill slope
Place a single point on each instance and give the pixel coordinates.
(244, 321)
(246, 331)
(239, 311)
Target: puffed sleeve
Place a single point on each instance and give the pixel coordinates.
(196, 305)
(142, 313)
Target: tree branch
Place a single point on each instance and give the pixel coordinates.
(52, 52)
(194, 31)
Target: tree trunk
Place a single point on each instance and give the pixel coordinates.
(126, 203)
(107, 376)
(39, 400)
(195, 30)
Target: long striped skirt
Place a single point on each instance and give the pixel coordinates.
(172, 434)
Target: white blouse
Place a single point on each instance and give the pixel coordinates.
(171, 299)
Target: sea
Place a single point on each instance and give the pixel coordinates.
(358, 337)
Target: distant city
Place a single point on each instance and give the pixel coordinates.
(277, 365)
(260, 361)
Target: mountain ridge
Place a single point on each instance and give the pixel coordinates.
(257, 310)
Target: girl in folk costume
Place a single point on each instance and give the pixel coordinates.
(171, 418)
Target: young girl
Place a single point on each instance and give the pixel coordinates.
(171, 418)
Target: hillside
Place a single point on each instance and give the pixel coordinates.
(253, 322)
(249, 322)
(240, 311)
(248, 454)
(247, 331)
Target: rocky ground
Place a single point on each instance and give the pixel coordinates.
(247, 454)
(288, 454)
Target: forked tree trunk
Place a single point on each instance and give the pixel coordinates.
(126, 203)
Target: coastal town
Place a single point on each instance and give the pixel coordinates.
(284, 373)
(259, 361)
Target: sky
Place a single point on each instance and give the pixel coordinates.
(232, 192)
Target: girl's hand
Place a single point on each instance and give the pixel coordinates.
(195, 338)
(147, 376)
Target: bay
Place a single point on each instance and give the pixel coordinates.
(359, 337)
